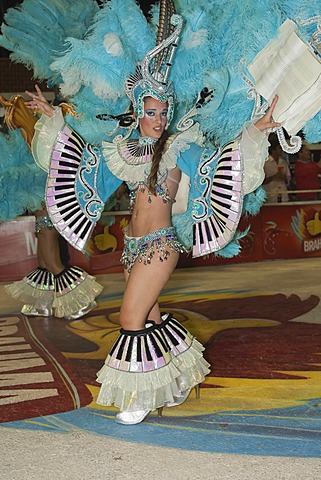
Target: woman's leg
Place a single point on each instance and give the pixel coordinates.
(154, 314)
(143, 287)
(67, 292)
(148, 363)
(48, 252)
(37, 289)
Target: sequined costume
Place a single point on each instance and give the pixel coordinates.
(156, 365)
(149, 368)
(70, 294)
(219, 179)
(142, 249)
(146, 369)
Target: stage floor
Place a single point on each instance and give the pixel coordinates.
(259, 415)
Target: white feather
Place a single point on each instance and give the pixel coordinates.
(113, 45)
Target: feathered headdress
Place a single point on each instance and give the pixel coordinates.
(150, 77)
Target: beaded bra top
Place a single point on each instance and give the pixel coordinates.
(130, 160)
(140, 152)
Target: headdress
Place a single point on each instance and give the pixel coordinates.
(150, 77)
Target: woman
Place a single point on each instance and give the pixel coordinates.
(155, 362)
(52, 288)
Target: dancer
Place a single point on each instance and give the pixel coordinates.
(52, 288)
(155, 362)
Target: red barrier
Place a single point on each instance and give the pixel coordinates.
(282, 231)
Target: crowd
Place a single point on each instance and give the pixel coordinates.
(292, 177)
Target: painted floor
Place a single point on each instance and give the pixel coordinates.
(259, 415)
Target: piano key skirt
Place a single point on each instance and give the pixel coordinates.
(145, 369)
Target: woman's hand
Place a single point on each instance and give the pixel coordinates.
(39, 103)
(266, 121)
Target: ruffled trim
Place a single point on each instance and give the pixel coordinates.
(131, 391)
(78, 296)
(75, 296)
(46, 132)
(254, 148)
(35, 295)
(139, 173)
(180, 143)
(192, 366)
(149, 390)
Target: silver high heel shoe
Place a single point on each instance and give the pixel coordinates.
(31, 311)
(131, 418)
(83, 311)
(181, 398)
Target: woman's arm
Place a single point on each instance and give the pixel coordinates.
(267, 121)
(254, 147)
(39, 103)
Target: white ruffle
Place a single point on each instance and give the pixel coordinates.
(77, 298)
(25, 293)
(139, 173)
(46, 131)
(192, 366)
(65, 305)
(130, 391)
(180, 142)
(121, 169)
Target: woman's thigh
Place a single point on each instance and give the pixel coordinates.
(143, 287)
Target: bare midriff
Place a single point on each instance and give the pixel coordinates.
(150, 212)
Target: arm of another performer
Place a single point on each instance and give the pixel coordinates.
(79, 180)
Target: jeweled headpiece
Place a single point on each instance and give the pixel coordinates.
(150, 78)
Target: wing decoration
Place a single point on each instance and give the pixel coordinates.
(72, 203)
(213, 231)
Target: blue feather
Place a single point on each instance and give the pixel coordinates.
(22, 182)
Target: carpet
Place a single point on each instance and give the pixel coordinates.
(35, 378)
(261, 328)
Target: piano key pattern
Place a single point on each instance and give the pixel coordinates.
(69, 279)
(149, 349)
(73, 216)
(217, 213)
(41, 279)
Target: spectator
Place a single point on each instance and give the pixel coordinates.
(277, 174)
(306, 173)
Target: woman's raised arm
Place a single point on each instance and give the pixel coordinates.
(267, 121)
(39, 103)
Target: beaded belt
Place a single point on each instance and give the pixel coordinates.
(144, 248)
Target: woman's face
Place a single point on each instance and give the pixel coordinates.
(155, 118)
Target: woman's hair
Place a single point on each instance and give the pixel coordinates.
(158, 152)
